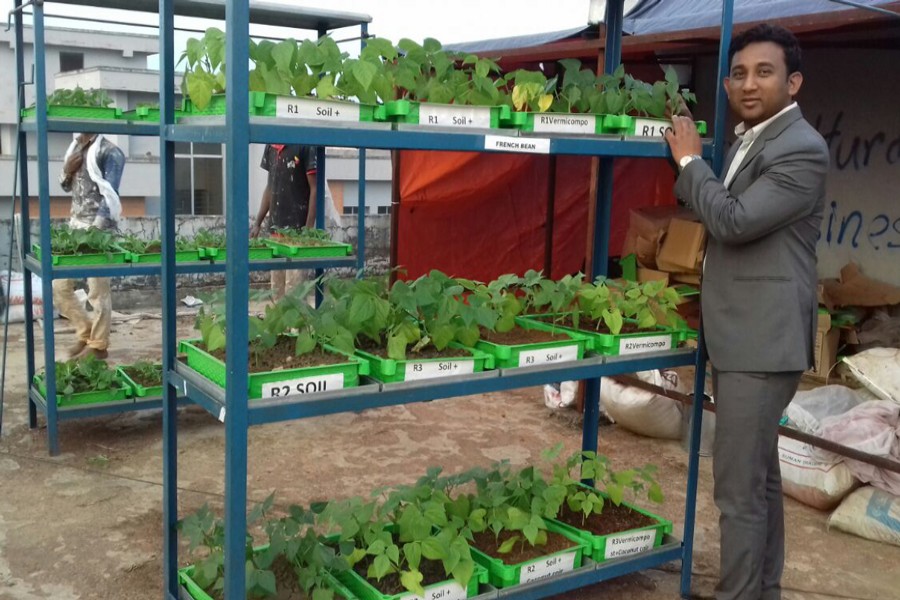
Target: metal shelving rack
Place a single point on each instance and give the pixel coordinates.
(230, 406)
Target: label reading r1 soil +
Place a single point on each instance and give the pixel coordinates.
(547, 567)
(651, 127)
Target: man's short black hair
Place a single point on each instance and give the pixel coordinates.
(769, 33)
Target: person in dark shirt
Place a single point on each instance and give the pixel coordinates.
(289, 198)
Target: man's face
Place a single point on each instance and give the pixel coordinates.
(758, 85)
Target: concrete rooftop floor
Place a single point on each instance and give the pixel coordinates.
(87, 524)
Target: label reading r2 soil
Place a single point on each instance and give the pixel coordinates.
(447, 591)
(651, 127)
(443, 368)
(287, 107)
(548, 355)
(547, 567)
(628, 544)
(650, 343)
(304, 385)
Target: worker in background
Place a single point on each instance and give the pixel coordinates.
(92, 170)
(758, 292)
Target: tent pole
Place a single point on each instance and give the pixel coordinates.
(551, 214)
(395, 212)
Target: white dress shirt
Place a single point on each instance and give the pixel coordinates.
(747, 137)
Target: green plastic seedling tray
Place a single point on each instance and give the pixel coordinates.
(502, 575)
(56, 111)
(186, 574)
(281, 249)
(396, 111)
(105, 258)
(447, 590)
(156, 257)
(658, 339)
(624, 543)
(523, 355)
(137, 390)
(388, 370)
(309, 379)
(217, 103)
(324, 110)
(642, 126)
(97, 397)
(220, 254)
(148, 114)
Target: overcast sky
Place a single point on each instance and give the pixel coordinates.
(457, 21)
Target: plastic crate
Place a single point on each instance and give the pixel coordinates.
(97, 397)
(220, 254)
(503, 575)
(217, 103)
(156, 257)
(57, 111)
(185, 578)
(309, 107)
(214, 369)
(148, 114)
(657, 339)
(445, 590)
(396, 111)
(388, 370)
(642, 126)
(622, 543)
(62, 260)
(522, 355)
(281, 249)
(137, 390)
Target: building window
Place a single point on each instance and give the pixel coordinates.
(384, 210)
(199, 179)
(70, 61)
(351, 210)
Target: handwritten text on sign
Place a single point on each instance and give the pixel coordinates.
(547, 567)
(547, 355)
(305, 385)
(323, 110)
(562, 123)
(427, 370)
(627, 544)
(651, 128)
(447, 591)
(511, 144)
(649, 343)
(463, 117)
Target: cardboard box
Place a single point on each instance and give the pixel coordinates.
(651, 275)
(646, 228)
(825, 351)
(682, 248)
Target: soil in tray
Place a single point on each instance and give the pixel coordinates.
(432, 572)
(613, 519)
(520, 335)
(367, 345)
(281, 356)
(139, 379)
(521, 552)
(285, 582)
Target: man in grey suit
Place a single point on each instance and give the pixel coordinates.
(758, 292)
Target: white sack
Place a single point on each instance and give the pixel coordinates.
(869, 513)
(641, 411)
(820, 484)
(879, 370)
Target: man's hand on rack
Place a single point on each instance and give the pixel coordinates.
(683, 138)
(254, 230)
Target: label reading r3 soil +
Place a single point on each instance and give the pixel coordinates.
(545, 356)
(304, 385)
(547, 567)
(627, 544)
(443, 368)
(447, 591)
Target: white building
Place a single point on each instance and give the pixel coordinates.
(117, 63)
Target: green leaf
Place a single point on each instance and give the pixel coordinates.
(216, 339)
(199, 89)
(507, 546)
(365, 73)
(412, 581)
(305, 343)
(413, 553)
(266, 582)
(380, 567)
(432, 549)
(283, 54)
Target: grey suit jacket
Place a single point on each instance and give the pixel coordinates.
(758, 296)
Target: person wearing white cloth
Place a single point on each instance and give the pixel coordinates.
(91, 172)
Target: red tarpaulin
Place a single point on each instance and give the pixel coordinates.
(481, 215)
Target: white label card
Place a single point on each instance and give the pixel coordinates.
(222, 415)
(448, 115)
(649, 343)
(511, 144)
(287, 107)
(545, 356)
(561, 123)
(651, 127)
(547, 567)
(446, 591)
(628, 544)
(443, 368)
(304, 385)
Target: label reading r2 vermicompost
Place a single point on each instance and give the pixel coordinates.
(304, 385)
(647, 343)
(547, 567)
(627, 544)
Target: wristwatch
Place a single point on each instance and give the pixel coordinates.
(685, 160)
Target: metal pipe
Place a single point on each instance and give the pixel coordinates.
(876, 9)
